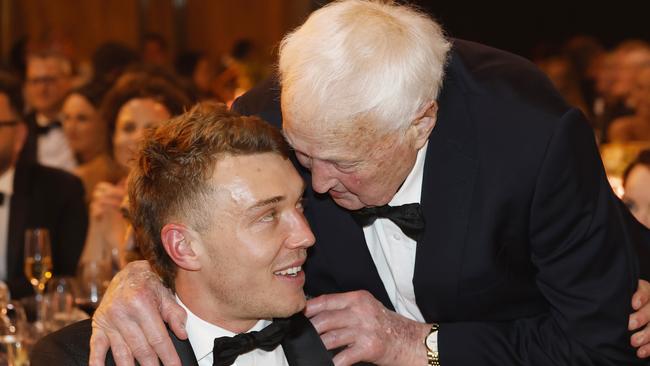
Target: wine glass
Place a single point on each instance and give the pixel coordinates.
(38, 265)
(13, 334)
(93, 279)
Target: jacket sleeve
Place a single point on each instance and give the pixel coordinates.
(582, 249)
(72, 226)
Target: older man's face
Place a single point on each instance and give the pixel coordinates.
(257, 238)
(358, 167)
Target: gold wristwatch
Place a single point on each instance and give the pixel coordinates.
(431, 342)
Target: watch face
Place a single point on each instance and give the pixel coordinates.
(432, 341)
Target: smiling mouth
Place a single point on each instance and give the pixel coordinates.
(290, 272)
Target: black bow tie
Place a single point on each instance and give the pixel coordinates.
(227, 349)
(44, 130)
(408, 218)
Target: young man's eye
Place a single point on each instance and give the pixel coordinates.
(269, 216)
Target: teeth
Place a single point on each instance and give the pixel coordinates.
(293, 271)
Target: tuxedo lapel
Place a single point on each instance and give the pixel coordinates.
(340, 244)
(17, 222)
(449, 174)
(302, 345)
(184, 350)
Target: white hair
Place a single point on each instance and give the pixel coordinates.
(362, 60)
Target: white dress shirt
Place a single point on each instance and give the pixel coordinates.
(53, 149)
(202, 334)
(393, 252)
(6, 187)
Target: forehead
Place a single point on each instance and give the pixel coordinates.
(246, 179)
(44, 65)
(145, 108)
(336, 143)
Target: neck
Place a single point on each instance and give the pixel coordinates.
(198, 297)
(95, 151)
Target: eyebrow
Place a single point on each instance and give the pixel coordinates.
(273, 200)
(266, 202)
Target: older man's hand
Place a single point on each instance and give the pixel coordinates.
(368, 331)
(130, 320)
(640, 319)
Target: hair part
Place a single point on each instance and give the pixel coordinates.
(183, 152)
(360, 61)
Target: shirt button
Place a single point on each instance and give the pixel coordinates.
(397, 237)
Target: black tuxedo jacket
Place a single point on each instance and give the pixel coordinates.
(29, 152)
(50, 198)
(528, 256)
(70, 346)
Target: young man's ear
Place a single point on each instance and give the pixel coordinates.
(422, 126)
(179, 241)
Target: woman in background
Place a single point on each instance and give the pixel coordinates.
(132, 106)
(87, 134)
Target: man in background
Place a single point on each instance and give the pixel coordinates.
(33, 196)
(47, 82)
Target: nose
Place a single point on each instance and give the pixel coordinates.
(300, 234)
(322, 179)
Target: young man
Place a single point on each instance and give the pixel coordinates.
(216, 206)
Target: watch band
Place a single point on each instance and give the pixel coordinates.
(433, 357)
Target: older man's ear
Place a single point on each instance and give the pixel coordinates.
(422, 126)
(182, 244)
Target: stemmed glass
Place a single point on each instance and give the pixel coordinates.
(38, 265)
(13, 335)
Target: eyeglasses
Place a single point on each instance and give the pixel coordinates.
(45, 80)
(8, 123)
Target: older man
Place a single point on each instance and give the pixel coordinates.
(231, 243)
(465, 200)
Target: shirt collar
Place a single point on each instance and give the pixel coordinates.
(201, 333)
(411, 190)
(7, 181)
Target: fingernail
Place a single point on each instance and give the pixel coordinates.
(638, 340)
(637, 304)
(633, 324)
(642, 353)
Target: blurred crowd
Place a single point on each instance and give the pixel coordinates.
(611, 87)
(69, 129)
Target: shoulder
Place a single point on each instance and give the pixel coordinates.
(502, 78)
(68, 346)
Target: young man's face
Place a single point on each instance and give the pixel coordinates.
(256, 238)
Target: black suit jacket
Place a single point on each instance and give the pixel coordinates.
(70, 346)
(528, 256)
(50, 198)
(29, 152)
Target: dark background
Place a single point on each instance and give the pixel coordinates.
(530, 27)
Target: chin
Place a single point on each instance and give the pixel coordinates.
(349, 204)
(290, 306)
